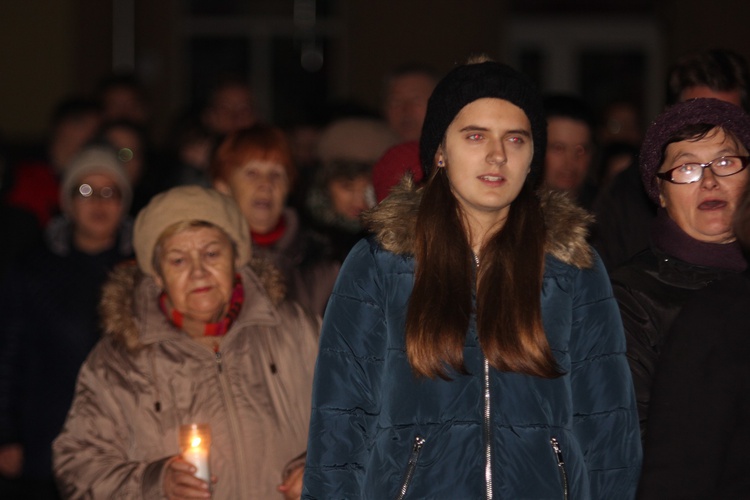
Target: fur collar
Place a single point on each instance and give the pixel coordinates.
(392, 222)
(130, 299)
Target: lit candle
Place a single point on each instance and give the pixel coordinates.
(195, 441)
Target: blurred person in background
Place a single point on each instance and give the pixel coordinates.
(35, 182)
(230, 107)
(196, 332)
(615, 158)
(303, 140)
(570, 147)
(191, 146)
(620, 122)
(254, 166)
(19, 229)
(342, 189)
(693, 165)
(146, 172)
(718, 73)
(48, 302)
(407, 89)
(123, 97)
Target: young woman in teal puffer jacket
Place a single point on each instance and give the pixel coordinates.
(472, 348)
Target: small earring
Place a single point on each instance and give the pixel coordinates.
(440, 163)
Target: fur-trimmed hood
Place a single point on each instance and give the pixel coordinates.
(129, 296)
(393, 221)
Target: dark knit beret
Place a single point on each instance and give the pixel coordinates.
(702, 111)
(464, 85)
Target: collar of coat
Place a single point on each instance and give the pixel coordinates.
(130, 310)
(393, 221)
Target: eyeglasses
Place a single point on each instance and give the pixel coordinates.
(87, 192)
(688, 173)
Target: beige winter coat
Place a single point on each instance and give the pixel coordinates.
(147, 377)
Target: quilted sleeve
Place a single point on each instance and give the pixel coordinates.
(643, 338)
(605, 416)
(90, 456)
(345, 389)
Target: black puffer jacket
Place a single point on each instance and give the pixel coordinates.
(699, 430)
(650, 290)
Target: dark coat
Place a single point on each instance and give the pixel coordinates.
(48, 303)
(650, 290)
(376, 430)
(19, 232)
(699, 422)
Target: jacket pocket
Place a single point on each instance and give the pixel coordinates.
(557, 451)
(416, 449)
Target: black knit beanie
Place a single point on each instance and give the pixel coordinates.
(466, 84)
(692, 112)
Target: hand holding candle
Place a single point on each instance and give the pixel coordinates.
(195, 441)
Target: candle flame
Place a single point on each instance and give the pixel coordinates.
(195, 442)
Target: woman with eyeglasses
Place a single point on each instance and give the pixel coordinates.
(699, 423)
(693, 165)
(48, 306)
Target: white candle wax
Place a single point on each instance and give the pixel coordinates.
(198, 456)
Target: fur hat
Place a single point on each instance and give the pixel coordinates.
(464, 85)
(692, 112)
(94, 160)
(188, 203)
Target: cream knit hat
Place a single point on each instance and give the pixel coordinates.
(183, 204)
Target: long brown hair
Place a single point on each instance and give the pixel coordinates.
(508, 291)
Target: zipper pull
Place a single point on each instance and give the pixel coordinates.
(560, 465)
(218, 359)
(419, 441)
(558, 452)
(411, 465)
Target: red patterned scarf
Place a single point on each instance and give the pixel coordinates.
(211, 329)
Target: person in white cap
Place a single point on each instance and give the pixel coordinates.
(49, 310)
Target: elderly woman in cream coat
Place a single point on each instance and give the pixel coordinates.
(197, 332)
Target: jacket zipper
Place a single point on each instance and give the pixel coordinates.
(560, 465)
(411, 466)
(487, 442)
(219, 365)
(233, 421)
(486, 426)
